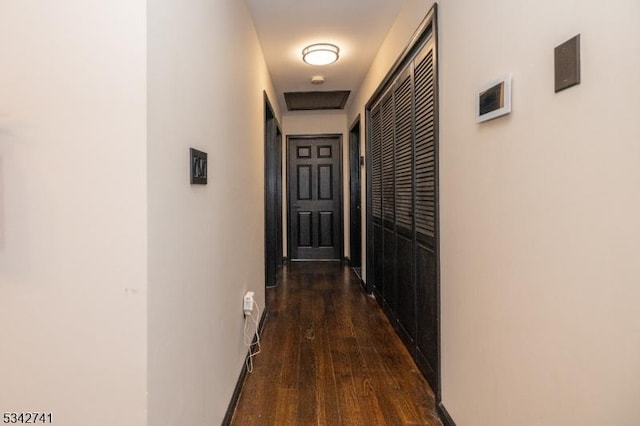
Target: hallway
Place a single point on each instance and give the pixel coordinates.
(329, 357)
(148, 182)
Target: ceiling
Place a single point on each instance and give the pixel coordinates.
(285, 27)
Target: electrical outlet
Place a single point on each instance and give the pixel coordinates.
(248, 302)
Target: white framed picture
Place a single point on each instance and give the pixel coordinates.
(494, 99)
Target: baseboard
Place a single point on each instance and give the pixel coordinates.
(378, 296)
(445, 418)
(243, 374)
(406, 338)
(427, 370)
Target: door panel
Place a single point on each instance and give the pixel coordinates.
(305, 230)
(376, 204)
(388, 163)
(425, 147)
(378, 256)
(427, 312)
(325, 182)
(388, 204)
(425, 215)
(304, 182)
(389, 276)
(325, 151)
(405, 287)
(304, 152)
(404, 152)
(403, 173)
(326, 229)
(315, 198)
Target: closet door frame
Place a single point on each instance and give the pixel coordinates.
(426, 31)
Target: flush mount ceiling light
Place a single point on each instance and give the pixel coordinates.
(320, 54)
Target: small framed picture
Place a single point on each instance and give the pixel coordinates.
(494, 99)
(198, 167)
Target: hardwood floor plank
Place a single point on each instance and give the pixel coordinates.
(330, 357)
(307, 402)
(286, 408)
(327, 390)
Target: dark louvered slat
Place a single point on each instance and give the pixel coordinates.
(404, 154)
(387, 123)
(376, 163)
(425, 147)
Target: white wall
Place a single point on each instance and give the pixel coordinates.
(318, 123)
(539, 212)
(206, 243)
(73, 210)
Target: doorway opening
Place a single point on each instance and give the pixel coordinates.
(273, 195)
(355, 198)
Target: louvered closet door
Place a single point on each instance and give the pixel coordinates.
(388, 202)
(376, 200)
(402, 219)
(425, 211)
(403, 106)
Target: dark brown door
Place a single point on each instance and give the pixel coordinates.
(354, 199)
(273, 197)
(315, 183)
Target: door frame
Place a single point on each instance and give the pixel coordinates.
(355, 227)
(273, 255)
(340, 187)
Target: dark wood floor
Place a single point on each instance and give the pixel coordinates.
(330, 357)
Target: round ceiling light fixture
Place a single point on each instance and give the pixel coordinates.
(320, 54)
